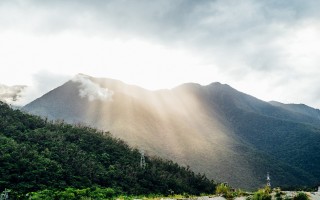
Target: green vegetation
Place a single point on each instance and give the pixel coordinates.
(37, 155)
(224, 190)
(74, 194)
(278, 194)
(301, 196)
(92, 194)
(262, 194)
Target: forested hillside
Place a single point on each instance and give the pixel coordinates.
(36, 154)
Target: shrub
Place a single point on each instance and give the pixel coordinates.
(301, 196)
(262, 194)
(224, 190)
(278, 194)
(74, 194)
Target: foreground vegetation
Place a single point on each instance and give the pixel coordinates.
(265, 193)
(222, 190)
(37, 155)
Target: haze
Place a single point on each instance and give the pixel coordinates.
(268, 49)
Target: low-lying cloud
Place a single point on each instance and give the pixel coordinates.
(10, 94)
(91, 90)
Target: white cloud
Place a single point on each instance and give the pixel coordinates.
(91, 90)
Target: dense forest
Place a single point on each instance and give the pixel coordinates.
(37, 154)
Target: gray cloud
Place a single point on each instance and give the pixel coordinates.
(245, 37)
(167, 19)
(228, 27)
(172, 20)
(11, 94)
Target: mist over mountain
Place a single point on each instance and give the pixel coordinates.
(228, 135)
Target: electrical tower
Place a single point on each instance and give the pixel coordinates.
(4, 195)
(268, 180)
(142, 160)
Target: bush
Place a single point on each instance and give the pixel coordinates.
(103, 193)
(74, 194)
(262, 194)
(278, 194)
(224, 190)
(41, 195)
(301, 196)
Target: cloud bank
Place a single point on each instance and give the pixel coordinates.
(269, 49)
(91, 90)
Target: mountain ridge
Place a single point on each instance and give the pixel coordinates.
(188, 123)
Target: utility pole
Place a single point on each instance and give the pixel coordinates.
(268, 180)
(142, 160)
(5, 195)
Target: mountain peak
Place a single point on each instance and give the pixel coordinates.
(221, 85)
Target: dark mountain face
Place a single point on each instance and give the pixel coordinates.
(214, 129)
(299, 109)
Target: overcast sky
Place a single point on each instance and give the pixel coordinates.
(269, 49)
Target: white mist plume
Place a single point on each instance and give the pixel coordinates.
(92, 90)
(10, 94)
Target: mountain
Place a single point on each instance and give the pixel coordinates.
(300, 109)
(40, 155)
(228, 135)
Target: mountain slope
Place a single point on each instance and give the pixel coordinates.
(286, 135)
(38, 155)
(214, 129)
(299, 108)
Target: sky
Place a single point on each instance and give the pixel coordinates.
(266, 48)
